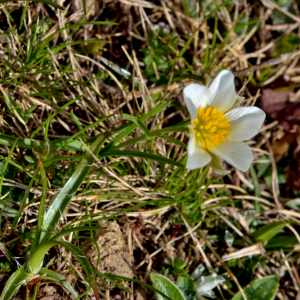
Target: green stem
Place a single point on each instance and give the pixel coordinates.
(33, 296)
(151, 135)
(6, 164)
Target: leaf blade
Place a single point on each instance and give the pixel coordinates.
(62, 200)
(264, 288)
(268, 231)
(167, 287)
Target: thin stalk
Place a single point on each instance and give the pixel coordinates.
(6, 163)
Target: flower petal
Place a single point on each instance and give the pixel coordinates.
(198, 157)
(195, 96)
(245, 122)
(223, 95)
(238, 101)
(217, 166)
(236, 153)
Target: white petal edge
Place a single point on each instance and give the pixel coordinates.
(236, 153)
(198, 157)
(245, 122)
(223, 95)
(217, 165)
(238, 101)
(195, 96)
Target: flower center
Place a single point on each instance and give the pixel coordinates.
(209, 127)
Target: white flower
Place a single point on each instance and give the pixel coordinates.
(218, 129)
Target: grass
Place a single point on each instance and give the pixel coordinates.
(118, 72)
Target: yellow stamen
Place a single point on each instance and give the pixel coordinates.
(209, 127)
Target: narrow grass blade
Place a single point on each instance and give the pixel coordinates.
(78, 124)
(111, 279)
(6, 164)
(34, 263)
(9, 141)
(128, 128)
(183, 50)
(32, 42)
(54, 276)
(142, 155)
(62, 200)
(149, 135)
(137, 122)
(81, 228)
(23, 15)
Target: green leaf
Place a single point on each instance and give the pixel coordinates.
(62, 200)
(35, 261)
(197, 273)
(187, 285)
(206, 284)
(142, 155)
(167, 287)
(266, 232)
(81, 228)
(14, 283)
(136, 121)
(153, 134)
(130, 127)
(264, 288)
(54, 276)
(172, 140)
(79, 125)
(282, 241)
(38, 235)
(28, 112)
